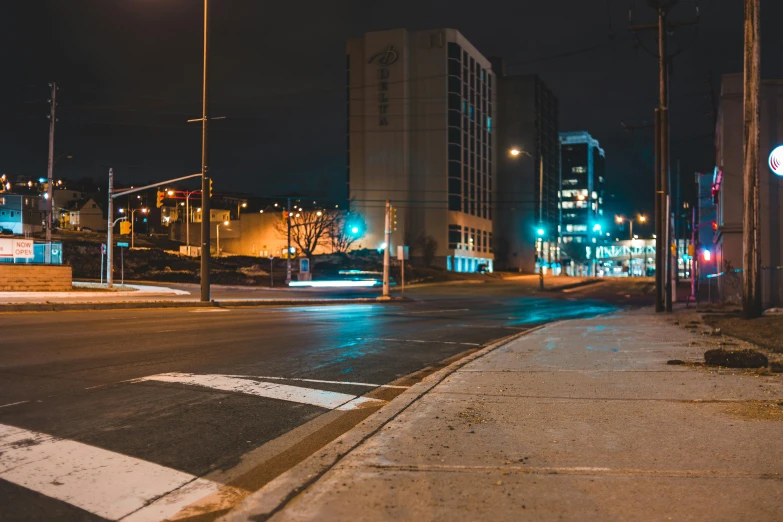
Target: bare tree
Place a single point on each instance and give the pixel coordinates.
(345, 229)
(309, 229)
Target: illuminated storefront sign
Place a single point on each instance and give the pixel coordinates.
(384, 59)
(776, 161)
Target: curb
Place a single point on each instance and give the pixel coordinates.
(273, 497)
(128, 305)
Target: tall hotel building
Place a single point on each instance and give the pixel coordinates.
(583, 163)
(421, 107)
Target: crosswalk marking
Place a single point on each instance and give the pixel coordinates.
(346, 383)
(321, 398)
(107, 484)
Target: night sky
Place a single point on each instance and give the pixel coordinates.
(130, 75)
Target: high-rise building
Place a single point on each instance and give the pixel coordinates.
(528, 172)
(582, 164)
(421, 108)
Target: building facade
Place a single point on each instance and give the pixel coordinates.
(20, 214)
(729, 191)
(528, 171)
(420, 109)
(582, 164)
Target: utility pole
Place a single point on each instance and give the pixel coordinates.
(205, 210)
(50, 167)
(288, 250)
(387, 246)
(751, 295)
(663, 258)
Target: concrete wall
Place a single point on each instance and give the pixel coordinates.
(32, 278)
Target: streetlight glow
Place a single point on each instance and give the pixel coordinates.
(540, 231)
(515, 152)
(170, 192)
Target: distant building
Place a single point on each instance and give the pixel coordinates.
(729, 190)
(86, 214)
(582, 164)
(528, 171)
(20, 214)
(421, 109)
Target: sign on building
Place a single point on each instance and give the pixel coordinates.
(16, 248)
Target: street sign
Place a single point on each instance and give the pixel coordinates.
(402, 253)
(304, 265)
(123, 245)
(103, 248)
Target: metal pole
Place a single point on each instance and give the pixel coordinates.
(288, 249)
(402, 292)
(669, 275)
(695, 254)
(630, 251)
(387, 240)
(133, 226)
(122, 266)
(205, 208)
(217, 234)
(50, 167)
(187, 220)
(271, 271)
(662, 243)
(109, 239)
(540, 263)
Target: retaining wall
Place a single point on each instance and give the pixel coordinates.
(35, 278)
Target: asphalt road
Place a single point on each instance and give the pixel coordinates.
(218, 392)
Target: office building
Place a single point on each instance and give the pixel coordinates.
(528, 172)
(421, 108)
(728, 190)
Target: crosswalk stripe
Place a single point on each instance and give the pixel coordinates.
(321, 398)
(107, 484)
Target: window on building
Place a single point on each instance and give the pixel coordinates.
(455, 152)
(454, 68)
(567, 204)
(455, 136)
(454, 202)
(455, 237)
(455, 101)
(489, 124)
(569, 182)
(454, 118)
(455, 169)
(454, 84)
(578, 170)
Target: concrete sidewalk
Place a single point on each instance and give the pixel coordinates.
(581, 420)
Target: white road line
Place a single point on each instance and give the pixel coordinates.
(416, 341)
(348, 383)
(284, 392)
(13, 404)
(208, 310)
(440, 311)
(102, 482)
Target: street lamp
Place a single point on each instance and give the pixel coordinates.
(133, 222)
(217, 234)
(620, 220)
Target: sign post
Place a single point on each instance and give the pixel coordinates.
(271, 271)
(103, 253)
(402, 256)
(122, 247)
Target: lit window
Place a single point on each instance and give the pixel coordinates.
(568, 204)
(578, 170)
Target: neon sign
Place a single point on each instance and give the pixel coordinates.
(776, 161)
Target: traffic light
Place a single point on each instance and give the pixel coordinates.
(210, 187)
(285, 215)
(159, 199)
(706, 255)
(691, 250)
(125, 228)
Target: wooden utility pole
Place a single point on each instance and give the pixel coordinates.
(663, 227)
(751, 295)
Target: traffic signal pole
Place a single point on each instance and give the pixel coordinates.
(387, 240)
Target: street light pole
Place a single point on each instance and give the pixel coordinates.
(50, 169)
(205, 209)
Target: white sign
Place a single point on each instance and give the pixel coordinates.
(402, 253)
(16, 248)
(776, 161)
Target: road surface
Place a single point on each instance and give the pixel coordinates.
(92, 403)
